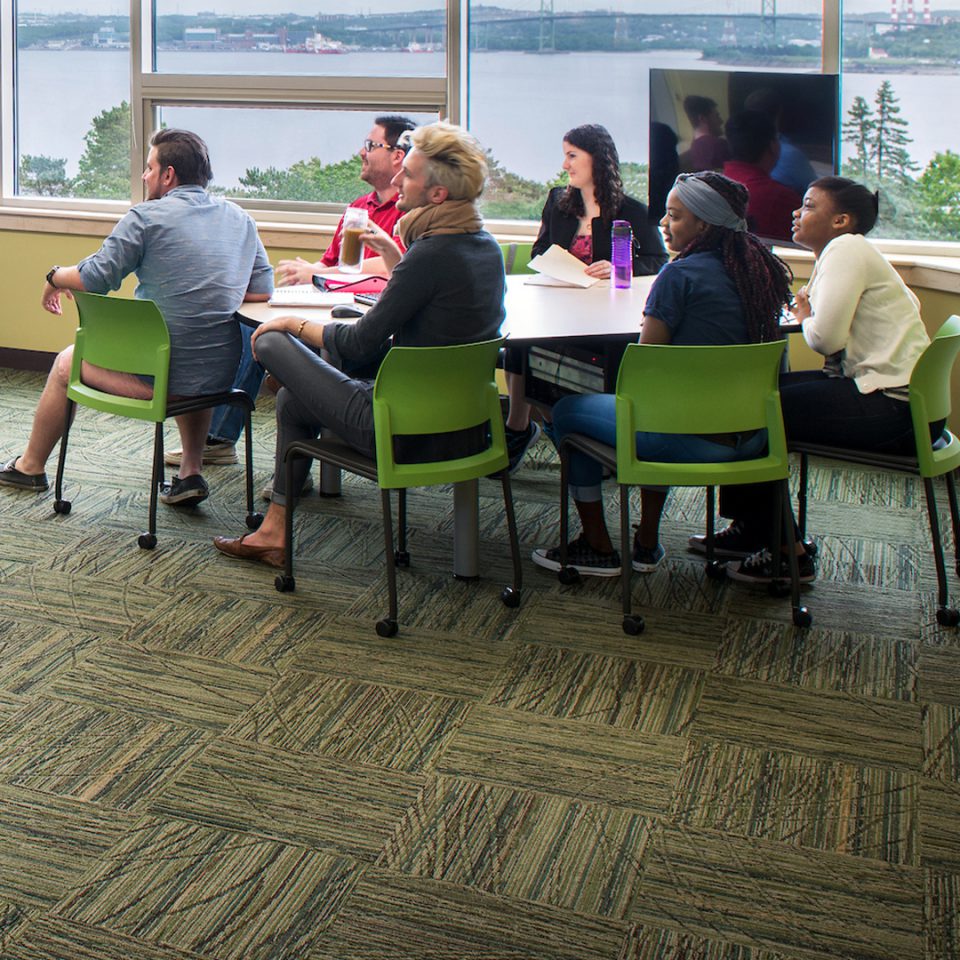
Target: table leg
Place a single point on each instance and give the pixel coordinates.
(466, 530)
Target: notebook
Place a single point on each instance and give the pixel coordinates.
(307, 295)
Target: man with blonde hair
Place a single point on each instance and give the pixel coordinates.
(445, 288)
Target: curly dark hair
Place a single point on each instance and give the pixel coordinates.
(853, 198)
(607, 185)
(762, 279)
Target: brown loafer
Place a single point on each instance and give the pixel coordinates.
(235, 547)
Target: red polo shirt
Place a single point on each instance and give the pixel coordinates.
(385, 215)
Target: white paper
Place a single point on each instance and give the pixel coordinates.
(562, 266)
(307, 295)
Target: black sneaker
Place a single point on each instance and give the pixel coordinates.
(646, 560)
(10, 476)
(729, 544)
(582, 556)
(758, 568)
(519, 442)
(185, 492)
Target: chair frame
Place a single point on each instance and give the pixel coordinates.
(691, 475)
(157, 409)
(927, 405)
(333, 451)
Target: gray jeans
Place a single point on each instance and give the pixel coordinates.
(315, 395)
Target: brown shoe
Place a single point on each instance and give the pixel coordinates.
(235, 547)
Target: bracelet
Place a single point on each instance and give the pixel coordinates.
(303, 323)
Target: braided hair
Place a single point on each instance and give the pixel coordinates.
(762, 279)
(607, 184)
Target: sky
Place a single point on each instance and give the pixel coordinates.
(311, 7)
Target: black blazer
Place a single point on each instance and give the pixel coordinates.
(560, 228)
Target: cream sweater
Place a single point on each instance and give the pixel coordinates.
(863, 311)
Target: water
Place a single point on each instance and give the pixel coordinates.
(521, 104)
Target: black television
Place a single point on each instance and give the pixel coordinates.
(688, 135)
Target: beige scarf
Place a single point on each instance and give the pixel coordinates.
(451, 216)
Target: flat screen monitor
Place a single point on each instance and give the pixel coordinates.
(725, 120)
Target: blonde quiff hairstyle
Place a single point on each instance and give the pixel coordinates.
(455, 159)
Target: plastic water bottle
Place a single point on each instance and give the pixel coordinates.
(621, 243)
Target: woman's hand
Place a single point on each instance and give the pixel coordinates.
(280, 324)
(801, 305)
(296, 271)
(600, 269)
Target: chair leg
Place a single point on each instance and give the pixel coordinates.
(946, 616)
(59, 504)
(254, 517)
(566, 575)
(511, 595)
(801, 615)
(148, 540)
(954, 517)
(802, 496)
(402, 556)
(387, 627)
(632, 623)
(714, 570)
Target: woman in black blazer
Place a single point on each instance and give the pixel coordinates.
(579, 218)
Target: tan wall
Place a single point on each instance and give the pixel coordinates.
(27, 256)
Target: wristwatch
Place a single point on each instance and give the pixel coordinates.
(50, 274)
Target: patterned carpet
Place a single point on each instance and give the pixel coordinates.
(194, 766)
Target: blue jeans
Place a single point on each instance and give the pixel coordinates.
(594, 415)
(227, 421)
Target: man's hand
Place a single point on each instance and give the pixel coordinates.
(50, 299)
(599, 268)
(378, 240)
(297, 271)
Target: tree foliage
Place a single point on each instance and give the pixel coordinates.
(105, 164)
(43, 176)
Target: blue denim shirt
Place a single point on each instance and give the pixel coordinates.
(196, 256)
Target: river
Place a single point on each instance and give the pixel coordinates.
(521, 104)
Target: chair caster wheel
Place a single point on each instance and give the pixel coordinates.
(779, 588)
(146, 541)
(715, 570)
(510, 597)
(568, 575)
(402, 558)
(386, 627)
(802, 618)
(254, 520)
(62, 506)
(633, 625)
(811, 548)
(285, 584)
(948, 617)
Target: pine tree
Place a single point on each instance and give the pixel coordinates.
(859, 131)
(105, 164)
(891, 161)
(43, 176)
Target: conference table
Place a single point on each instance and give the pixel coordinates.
(533, 312)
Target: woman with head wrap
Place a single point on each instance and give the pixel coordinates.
(723, 287)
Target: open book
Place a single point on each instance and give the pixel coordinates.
(307, 295)
(559, 268)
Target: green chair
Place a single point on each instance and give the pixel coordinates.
(516, 256)
(421, 392)
(929, 403)
(131, 336)
(701, 390)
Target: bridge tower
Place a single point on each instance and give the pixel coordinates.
(548, 36)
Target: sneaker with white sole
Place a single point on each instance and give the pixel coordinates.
(217, 453)
(581, 555)
(729, 544)
(267, 491)
(646, 560)
(758, 568)
(185, 492)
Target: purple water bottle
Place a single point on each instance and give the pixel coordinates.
(621, 257)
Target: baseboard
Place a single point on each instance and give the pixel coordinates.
(39, 360)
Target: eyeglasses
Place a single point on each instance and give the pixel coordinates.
(369, 145)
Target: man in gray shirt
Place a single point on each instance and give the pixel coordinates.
(174, 242)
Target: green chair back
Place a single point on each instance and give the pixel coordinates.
(125, 335)
(702, 390)
(516, 256)
(930, 400)
(431, 390)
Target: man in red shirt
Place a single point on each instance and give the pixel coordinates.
(381, 158)
(755, 149)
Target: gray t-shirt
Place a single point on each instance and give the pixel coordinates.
(195, 256)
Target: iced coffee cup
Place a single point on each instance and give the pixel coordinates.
(351, 239)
